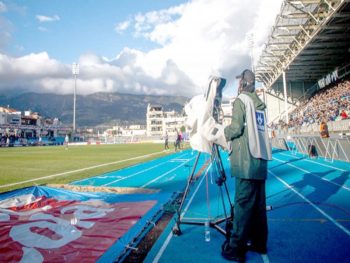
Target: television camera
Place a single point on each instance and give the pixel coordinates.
(207, 135)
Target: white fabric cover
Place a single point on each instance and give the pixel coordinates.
(203, 129)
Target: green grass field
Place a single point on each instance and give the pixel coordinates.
(19, 164)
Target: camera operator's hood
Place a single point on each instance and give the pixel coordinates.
(258, 103)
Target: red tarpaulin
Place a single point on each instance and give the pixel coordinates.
(49, 230)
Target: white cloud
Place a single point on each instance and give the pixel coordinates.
(121, 27)
(40, 73)
(3, 7)
(195, 40)
(209, 37)
(146, 23)
(42, 18)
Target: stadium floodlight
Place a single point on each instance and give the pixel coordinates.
(75, 71)
(250, 38)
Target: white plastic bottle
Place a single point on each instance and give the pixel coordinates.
(206, 231)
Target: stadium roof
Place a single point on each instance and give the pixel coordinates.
(310, 39)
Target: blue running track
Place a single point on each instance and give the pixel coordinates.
(309, 222)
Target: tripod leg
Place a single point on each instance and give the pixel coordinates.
(176, 228)
(222, 171)
(221, 183)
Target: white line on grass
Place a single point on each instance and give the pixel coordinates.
(164, 174)
(310, 161)
(79, 170)
(312, 204)
(170, 236)
(308, 172)
(142, 171)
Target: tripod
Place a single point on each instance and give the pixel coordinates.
(221, 182)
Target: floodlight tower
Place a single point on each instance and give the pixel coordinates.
(251, 49)
(75, 71)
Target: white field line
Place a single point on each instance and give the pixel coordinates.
(170, 236)
(310, 161)
(134, 174)
(346, 231)
(308, 172)
(79, 170)
(164, 174)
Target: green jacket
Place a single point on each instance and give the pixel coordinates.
(243, 164)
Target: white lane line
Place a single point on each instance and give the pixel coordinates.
(310, 161)
(170, 236)
(312, 204)
(164, 174)
(308, 172)
(80, 170)
(265, 258)
(118, 177)
(179, 160)
(164, 246)
(194, 193)
(134, 174)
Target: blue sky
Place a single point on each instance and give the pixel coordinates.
(77, 27)
(164, 47)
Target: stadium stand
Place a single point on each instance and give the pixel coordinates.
(329, 104)
(305, 66)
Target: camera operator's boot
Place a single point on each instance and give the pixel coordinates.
(254, 247)
(259, 250)
(232, 253)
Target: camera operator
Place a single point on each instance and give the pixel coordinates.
(250, 152)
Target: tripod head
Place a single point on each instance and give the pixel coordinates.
(218, 84)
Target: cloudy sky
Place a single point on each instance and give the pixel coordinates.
(156, 47)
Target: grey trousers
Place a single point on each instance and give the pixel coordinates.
(250, 220)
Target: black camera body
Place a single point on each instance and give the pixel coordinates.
(218, 83)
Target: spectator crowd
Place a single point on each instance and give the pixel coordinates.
(329, 104)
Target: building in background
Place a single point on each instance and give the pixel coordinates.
(160, 122)
(29, 125)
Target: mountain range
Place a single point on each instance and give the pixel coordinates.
(100, 108)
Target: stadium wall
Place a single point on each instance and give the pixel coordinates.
(275, 108)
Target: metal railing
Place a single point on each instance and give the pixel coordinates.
(332, 148)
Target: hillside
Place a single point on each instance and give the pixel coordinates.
(95, 109)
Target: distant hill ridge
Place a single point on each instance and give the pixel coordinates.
(100, 108)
